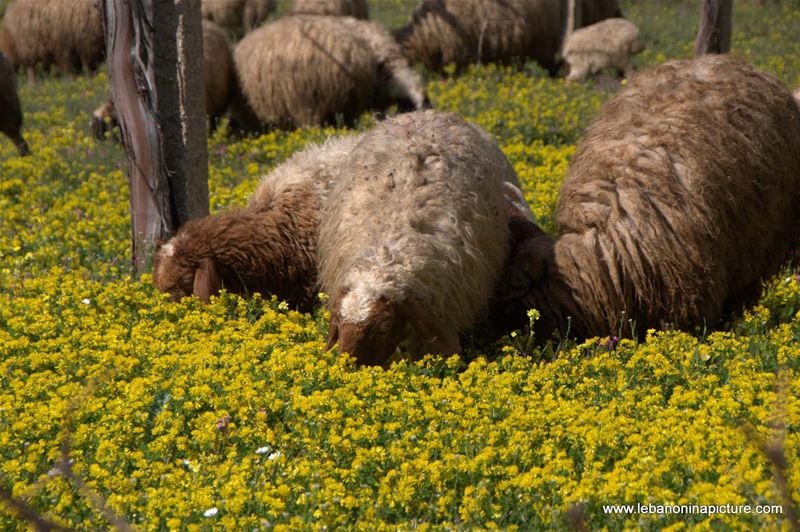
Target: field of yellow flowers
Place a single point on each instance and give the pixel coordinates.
(117, 404)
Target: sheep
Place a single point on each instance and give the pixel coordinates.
(235, 14)
(466, 31)
(268, 246)
(413, 236)
(606, 44)
(343, 8)
(10, 111)
(310, 69)
(218, 81)
(68, 35)
(681, 198)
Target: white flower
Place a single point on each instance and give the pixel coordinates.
(274, 455)
(263, 450)
(211, 512)
(85, 301)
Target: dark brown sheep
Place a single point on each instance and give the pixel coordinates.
(267, 247)
(468, 31)
(682, 197)
(10, 111)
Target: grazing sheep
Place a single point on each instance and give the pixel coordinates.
(606, 44)
(309, 69)
(235, 14)
(66, 34)
(340, 8)
(10, 111)
(269, 246)
(681, 198)
(413, 236)
(218, 81)
(467, 31)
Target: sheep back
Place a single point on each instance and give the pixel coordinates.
(235, 14)
(606, 44)
(682, 196)
(466, 31)
(10, 111)
(417, 217)
(67, 34)
(305, 70)
(342, 8)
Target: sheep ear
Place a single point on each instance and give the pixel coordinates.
(206, 280)
(333, 331)
(436, 340)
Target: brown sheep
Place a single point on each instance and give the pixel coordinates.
(68, 35)
(306, 70)
(235, 14)
(10, 111)
(342, 8)
(269, 246)
(218, 80)
(464, 32)
(606, 44)
(681, 198)
(413, 236)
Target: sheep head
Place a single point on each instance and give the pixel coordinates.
(371, 329)
(182, 274)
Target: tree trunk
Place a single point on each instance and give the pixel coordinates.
(155, 61)
(714, 35)
(573, 21)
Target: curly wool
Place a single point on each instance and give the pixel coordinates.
(235, 14)
(66, 34)
(267, 247)
(682, 197)
(307, 69)
(441, 244)
(464, 32)
(341, 8)
(10, 111)
(606, 44)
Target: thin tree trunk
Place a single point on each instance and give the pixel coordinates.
(716, 21)
(154, 50)
(573, 22)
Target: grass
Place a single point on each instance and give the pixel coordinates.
(232, 415)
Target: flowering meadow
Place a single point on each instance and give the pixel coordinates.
(118, 405)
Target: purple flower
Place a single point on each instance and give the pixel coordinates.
(611, 343)
(223, 422)
(797, 278)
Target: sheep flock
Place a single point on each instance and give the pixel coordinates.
(682, 198)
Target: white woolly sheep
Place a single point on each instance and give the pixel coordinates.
(10, 111)
(606, 44)
(236, 14)
(681, 198)
(67, 34)
(340, 8)
(309, 69)
(413, 236)
(269, 246)
(464, 32)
